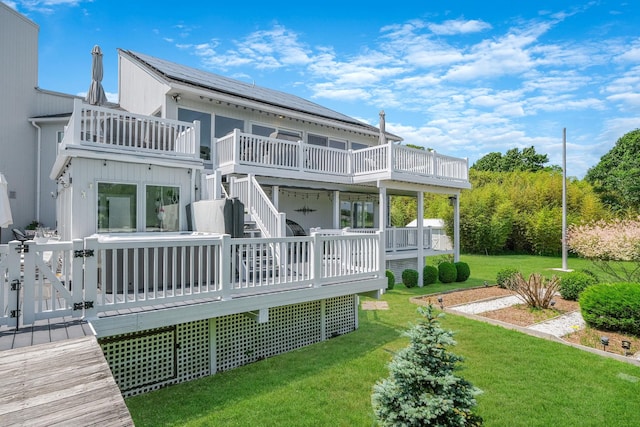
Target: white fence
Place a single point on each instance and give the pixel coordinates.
(254, 150)
(89, 277)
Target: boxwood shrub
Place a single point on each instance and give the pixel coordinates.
(504, 275)
(447, 272)
(612, 307)
(429, 275)
(572, 284)
(463, 271)
(410, 278)
(391, 279)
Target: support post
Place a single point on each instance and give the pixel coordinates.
(336, 210)
(456, 228)
(382, 224)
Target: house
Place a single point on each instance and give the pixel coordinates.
(205, 223)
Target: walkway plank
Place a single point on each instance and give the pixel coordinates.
(60, 383)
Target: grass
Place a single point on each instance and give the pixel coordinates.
(526, 381)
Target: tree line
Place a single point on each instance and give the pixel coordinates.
(515, 204)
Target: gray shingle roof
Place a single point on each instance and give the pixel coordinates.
(177, 73)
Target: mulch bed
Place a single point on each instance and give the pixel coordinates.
(521, 315)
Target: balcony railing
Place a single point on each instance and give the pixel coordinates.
(379, 162)
(402, 238)
(110, 129)
(101, 275)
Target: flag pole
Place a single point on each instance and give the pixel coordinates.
(564, 199)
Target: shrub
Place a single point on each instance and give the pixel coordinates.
(422, 388)
(429, 274)
(410, 278)
(463, 270)
(391, 279)
(504, 276)
(572, 284)
(447, 272)
(612, 307)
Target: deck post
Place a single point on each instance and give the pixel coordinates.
(226, 261)
(13, 278)
(336, 209)
(383, 207)
(316, 257)
(28, 307)
(90, 275)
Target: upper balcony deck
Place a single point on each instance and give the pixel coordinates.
(243, 153)
(101, 132)
(104, 131)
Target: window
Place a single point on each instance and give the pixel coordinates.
(362, 214)
(225, 125)
(205, 129)
(356, 214)
(59, 136)
(262, 130)
(323, 141)
(358, 146)
(116, 207)
(336, 143)
(317, 140)
(162, 208)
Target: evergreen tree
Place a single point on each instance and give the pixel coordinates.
(422, 389)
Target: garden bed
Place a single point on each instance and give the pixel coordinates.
(522, 315)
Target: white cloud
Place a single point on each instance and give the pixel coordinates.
(459, 26)
(45, 6)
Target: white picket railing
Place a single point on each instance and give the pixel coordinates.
(102, 275)
(239, 148)
(271, 222)
(107, 128)
(402, 238)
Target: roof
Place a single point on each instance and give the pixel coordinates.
(181, 74)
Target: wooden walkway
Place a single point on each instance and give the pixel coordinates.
(59, 383)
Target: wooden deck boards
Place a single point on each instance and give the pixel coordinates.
(60, 383)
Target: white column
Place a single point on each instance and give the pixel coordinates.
(336, 210)
(275, 196)
(456, 228)
(382, 224)
(420, 225)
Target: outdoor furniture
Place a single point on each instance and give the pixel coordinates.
(20, 235)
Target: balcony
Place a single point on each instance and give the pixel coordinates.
(106, 130)
(246, 153)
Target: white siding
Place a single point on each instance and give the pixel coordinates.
(86, 173)
(18, 78)
(140, 92)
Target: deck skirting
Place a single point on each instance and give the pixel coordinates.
(151, 359)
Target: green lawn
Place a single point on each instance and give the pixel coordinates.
(526, 381)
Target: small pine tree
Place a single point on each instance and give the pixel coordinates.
(421, 389)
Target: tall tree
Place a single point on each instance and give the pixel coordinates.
(616, 178)
(514, 160)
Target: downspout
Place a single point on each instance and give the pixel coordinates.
(38, 161)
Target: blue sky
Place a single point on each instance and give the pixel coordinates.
(462, 77)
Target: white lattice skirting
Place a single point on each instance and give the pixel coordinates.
(151, 359)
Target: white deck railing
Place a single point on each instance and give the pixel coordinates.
(106, 128)
(402, 238)
(271, 222)
(239, 148)
(98, 276)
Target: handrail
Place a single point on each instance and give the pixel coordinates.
(254, 150)
(271, 222)
(102, 127)
(99, 274)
